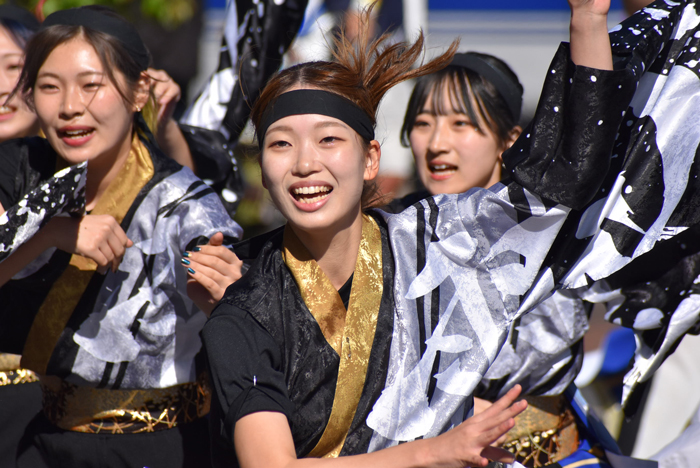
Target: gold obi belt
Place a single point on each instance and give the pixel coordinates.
(12, 374)
(544, 433)
(97, 410)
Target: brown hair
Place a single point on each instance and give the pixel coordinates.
(361, 72)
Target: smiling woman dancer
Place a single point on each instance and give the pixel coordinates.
(100, 311)
(352, 331)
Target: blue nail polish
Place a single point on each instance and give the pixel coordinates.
(192, 272)
(185, 261)
(197, 249)
(185, 254)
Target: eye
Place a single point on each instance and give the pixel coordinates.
(47, 87)
(92, 86)
(329, 140)
(278, 144)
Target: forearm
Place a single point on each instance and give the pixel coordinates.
(174, 145)
(24, 255)
(590, 43)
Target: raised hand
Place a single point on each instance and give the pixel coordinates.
(167, 94)
(97, 237)
(211, 269)
(590, 43)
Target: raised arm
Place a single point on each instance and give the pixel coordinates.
(590, 43)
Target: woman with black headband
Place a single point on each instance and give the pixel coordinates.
(99, 309)
(354, 331)
(458, 123)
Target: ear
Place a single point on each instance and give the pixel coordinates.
(143, 91)
(374, 154)
(512, 136)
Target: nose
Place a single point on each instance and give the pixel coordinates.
(306, 162)
(439, 139)
(71, 103)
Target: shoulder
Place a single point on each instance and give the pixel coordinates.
(25, 162)
(263, 254)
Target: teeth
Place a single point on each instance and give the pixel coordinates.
(74, 133)
(313, 199)
(442, 167)
(311, 190)
(5, 110)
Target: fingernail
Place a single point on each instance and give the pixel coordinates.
(185, 254)
(192, 272)
(197, 249)
(185, 261)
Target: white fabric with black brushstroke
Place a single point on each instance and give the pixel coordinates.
(143, 319)
(475, 261)
(63, 193)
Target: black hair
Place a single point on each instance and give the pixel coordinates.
(19, 33)
(470, 94)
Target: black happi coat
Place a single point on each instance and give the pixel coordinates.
(264, 322)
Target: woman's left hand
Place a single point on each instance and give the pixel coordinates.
(211, 269)
(167, 94)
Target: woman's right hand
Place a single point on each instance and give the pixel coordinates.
(470, 443)
(97, 237)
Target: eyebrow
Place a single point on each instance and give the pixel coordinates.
(85, 73)
(325, 124)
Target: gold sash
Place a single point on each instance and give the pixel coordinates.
(350, 334)
(66, 292)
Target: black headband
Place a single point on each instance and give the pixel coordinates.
(20, 15)
(314, 101)
(115, 26)
(506, 87)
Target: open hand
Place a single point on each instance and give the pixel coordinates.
(471, 442)
(211, 269)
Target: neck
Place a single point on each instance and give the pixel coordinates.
(102, 172)
(336, 252)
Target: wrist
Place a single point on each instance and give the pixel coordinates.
(589, 21)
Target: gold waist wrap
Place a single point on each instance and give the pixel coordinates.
(11, 373)
(544, 433)
(17, 376)
(96, 410)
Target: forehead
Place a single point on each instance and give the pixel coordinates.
(7, 43)
(446, 96)
(75, 55)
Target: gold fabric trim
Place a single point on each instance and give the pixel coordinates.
(351, 334)
(97, 410)
(9, 362)
(66, 292)
(544, 433)
(17, 377)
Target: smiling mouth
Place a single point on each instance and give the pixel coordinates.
(6, 110)
(74, 133)
(442, 169)
(310, 195)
